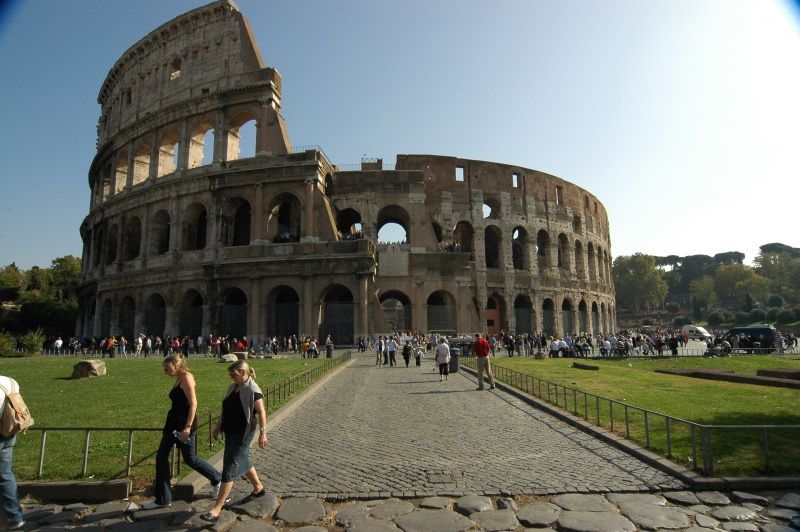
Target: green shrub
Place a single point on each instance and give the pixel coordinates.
(6, 342)
(715, 318)
(775, 301)
(34, 342)
(784, 316)
(682, 320)
(772, 313)
(741, 317)
(757, 315)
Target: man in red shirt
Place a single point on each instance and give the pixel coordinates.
(481, 349)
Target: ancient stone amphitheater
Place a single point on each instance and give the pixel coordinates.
(188, 235)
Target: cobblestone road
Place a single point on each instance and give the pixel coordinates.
(397, 431)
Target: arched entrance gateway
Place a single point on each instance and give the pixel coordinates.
(336, 316)
(283, 312)
(397, 310)
(442, 313)
(233, 314)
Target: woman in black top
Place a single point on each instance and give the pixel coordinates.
(243, 416)
(181, 418)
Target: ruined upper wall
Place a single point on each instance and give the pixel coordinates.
(205, 51)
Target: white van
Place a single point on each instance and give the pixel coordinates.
(696, 333)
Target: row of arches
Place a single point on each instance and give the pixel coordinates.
(165, 151)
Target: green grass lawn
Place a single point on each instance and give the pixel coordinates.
(134, 394)
(736, 452)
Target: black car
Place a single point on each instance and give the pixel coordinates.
(755, 339)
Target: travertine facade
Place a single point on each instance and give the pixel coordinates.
(188, 236)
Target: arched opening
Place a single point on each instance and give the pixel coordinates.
(168, 153)
(141, 164)
(567, 317)
(580, 262)
(191, 314)
(393, 224)
(121, 173)
(542, 249)
(523, 315)
(233, 314)
(582, 316)
(463, 237)
(111, 245)
(397, 310)
(242, 137)
(159, 233)
(592, 262)
(563, 252)
(236, 222)
(491, 236)
(337, 320)
(99, 240)
(595, 319)
(201, 145)
(283, 312)
(441, 308)
(348, 224)
(519, 244)
(196, 228)
(283, 220)
(494, 318)
(549, 317)
(105, 318)
(155, 315)
(132, 239)
(491, 208)
(127, 317)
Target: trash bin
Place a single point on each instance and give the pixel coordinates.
(329, 351)
(455, 352)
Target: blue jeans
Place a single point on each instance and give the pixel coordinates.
(9, 495)
(162, 488)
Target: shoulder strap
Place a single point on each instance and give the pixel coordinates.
(4, 389)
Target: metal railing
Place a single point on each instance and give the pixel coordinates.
(657, 431)
(274, 396)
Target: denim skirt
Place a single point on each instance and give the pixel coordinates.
(236, 456)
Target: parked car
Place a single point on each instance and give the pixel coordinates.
(755, 339)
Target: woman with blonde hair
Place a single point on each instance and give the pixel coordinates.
(180, 429)
(243, 415)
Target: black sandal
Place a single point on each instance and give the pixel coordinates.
(209, 517)
(254, 496)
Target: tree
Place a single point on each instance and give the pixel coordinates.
(783, 270)
(776, 247)
(725, 282)
(638, 281)
(704, 291)
(730, 257)
(12, 281)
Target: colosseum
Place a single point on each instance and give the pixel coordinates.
(189, 235)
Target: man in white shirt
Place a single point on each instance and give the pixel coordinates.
(10, 509)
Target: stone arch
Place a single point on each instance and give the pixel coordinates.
(141, 163)
(111, 244)
(121, 172)
(337, 315)
(241, 126)
(580, 261)
(519, 248)
(495, 314)
(106, 313)
(395, 214)
(492, 247)
(595, 318)
(523, 314)
(441, 307)
(233, 314)
(543, 249)
(577, 224)
(159, 233)
(396, 307)
(198, 151)
(491, 208)
(437, 232)
(583, 324)
(348, 224)
(592, 260)
(567, 316)
(99, 246)
(283, 311)
(195, 228)
(463, 236)
(191, 320)
(127, 317)
(155, 315)
(549, 317)
(132, 239)
(563, 252)
(283, 218)
(236, 222)
(168, 150)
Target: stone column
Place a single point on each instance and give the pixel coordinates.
(258, 214)
(309, 322)
(307, 229)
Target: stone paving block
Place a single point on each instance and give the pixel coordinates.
(653, 517)
(471, 504)
(583, 503)
(575, 521)
(495, 520)
(714, 498)
(300, 510)
(438, 520)
(733, 513)
(636, 498)
(539, 514)
(789, 500)
(372, 525)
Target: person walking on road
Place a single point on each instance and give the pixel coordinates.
(379, 352)
(10, 509)
(443, 358)
(180, 429)
(481, 349)
(243, 416)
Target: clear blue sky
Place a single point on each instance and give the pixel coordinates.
(681, 116)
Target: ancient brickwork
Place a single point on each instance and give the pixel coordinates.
(188, 235)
